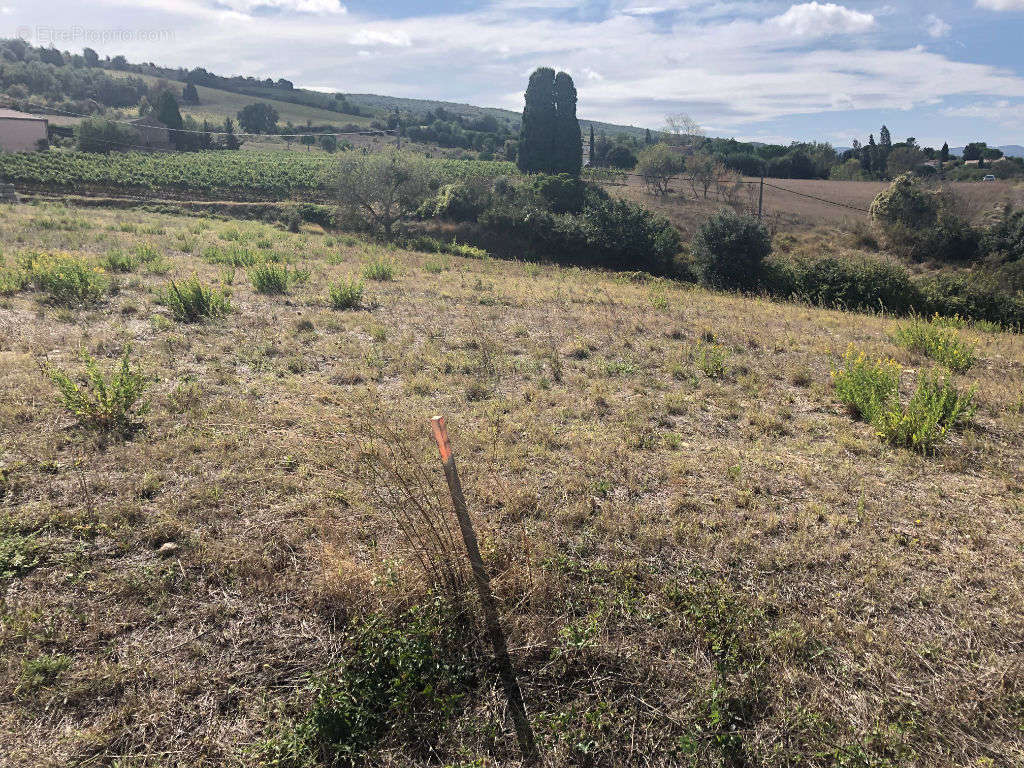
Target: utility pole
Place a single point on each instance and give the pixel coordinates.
(760, 199)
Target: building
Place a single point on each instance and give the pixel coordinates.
(152, 133)
(22, 132)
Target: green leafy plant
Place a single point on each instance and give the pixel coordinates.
(104, 403)
(935, 340)
(728, 250)
(346, 293)
(190, 301)
(270, 279)
(69, 280)
(401, 678)
(710, 358)
(381, 269)
(18, 555)
(870, 390)
(935, 408)
(119, 261)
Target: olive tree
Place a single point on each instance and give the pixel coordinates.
(658, 165)
(383, 189)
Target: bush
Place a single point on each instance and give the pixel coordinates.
(623, 235)
(938, 342)
(905, 204)
(119, 261)
(191, 301)
(935, 408)
(345, 294)
(978, 297)
(99, 135)
(271, 279)
(867, 388)
(457, 202)
(847, 283)
(69, 280)
(728, 250)
(871, 391)
(560, 194)
(102, 403)
(951, 239)
(381, 269)
(1005, 241)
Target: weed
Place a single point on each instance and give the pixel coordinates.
(69, 280)
(18, 555)
(270, 279)
(867, 388)
(942, 344)
(935, 408)
(12, 280)
(435, 266)
(42, 671)
(146, 253)
(871, 391)
(402, 679)
(232, 256)
(191, 300)
(381, 269)
(107, 404)
(710, 358)
(119, 261)
(346, 293)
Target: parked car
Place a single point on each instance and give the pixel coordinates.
(990, 177)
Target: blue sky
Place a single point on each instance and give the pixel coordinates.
(769, 71)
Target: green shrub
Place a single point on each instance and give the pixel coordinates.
(146, 253)
(978, 297)
(935, 408)
(232, 256)
(18, 555)
(728, 250)
(467, 251)
(868, 388)
(12, 280)
(846, 283)
(457, 202)
(69, 280)
(402, 680)
(1005, 241)
(905, 204)
(381, 269)
(710, 358)
(951, 240)
(107, 404)
(346, 293)
(560, 194)
(190, 301)
(269, 278)
(622, 235)
(938, 342)
(119, 261)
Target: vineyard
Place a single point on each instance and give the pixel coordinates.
(244, 175)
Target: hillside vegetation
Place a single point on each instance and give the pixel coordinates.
(704, 556)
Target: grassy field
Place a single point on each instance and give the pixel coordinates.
(215, 105)
(701, 557)
(786, 211)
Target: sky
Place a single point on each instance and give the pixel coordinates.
(761, 71)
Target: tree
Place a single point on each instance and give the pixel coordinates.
(258, 118)
(51, 56)
(92, 59)
(382, 189)
(167, 112)
(189, 94)
(904, 159)
(701, 171)
(329, 144)
(658, 165)
(590, 153)
(230, 140)
(96, 135)
(728, 250)
(683, 131)
(944, 153)
(309, 140)
(647, 137)
(621, 157)
(537, 135)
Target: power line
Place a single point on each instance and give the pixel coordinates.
(819, 199)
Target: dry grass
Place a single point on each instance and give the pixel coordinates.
(716, 569)
(795, 212)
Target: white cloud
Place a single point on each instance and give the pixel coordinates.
(298, 6)
(935, 26)
(1001, 111)
(1001, 5)
(364, 37)
(823, 19)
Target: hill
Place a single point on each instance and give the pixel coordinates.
(700, 557)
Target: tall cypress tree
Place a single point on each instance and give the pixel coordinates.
(167, 112)
(568, 149)
(590, 154)
(537, 135)
(944, 152)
